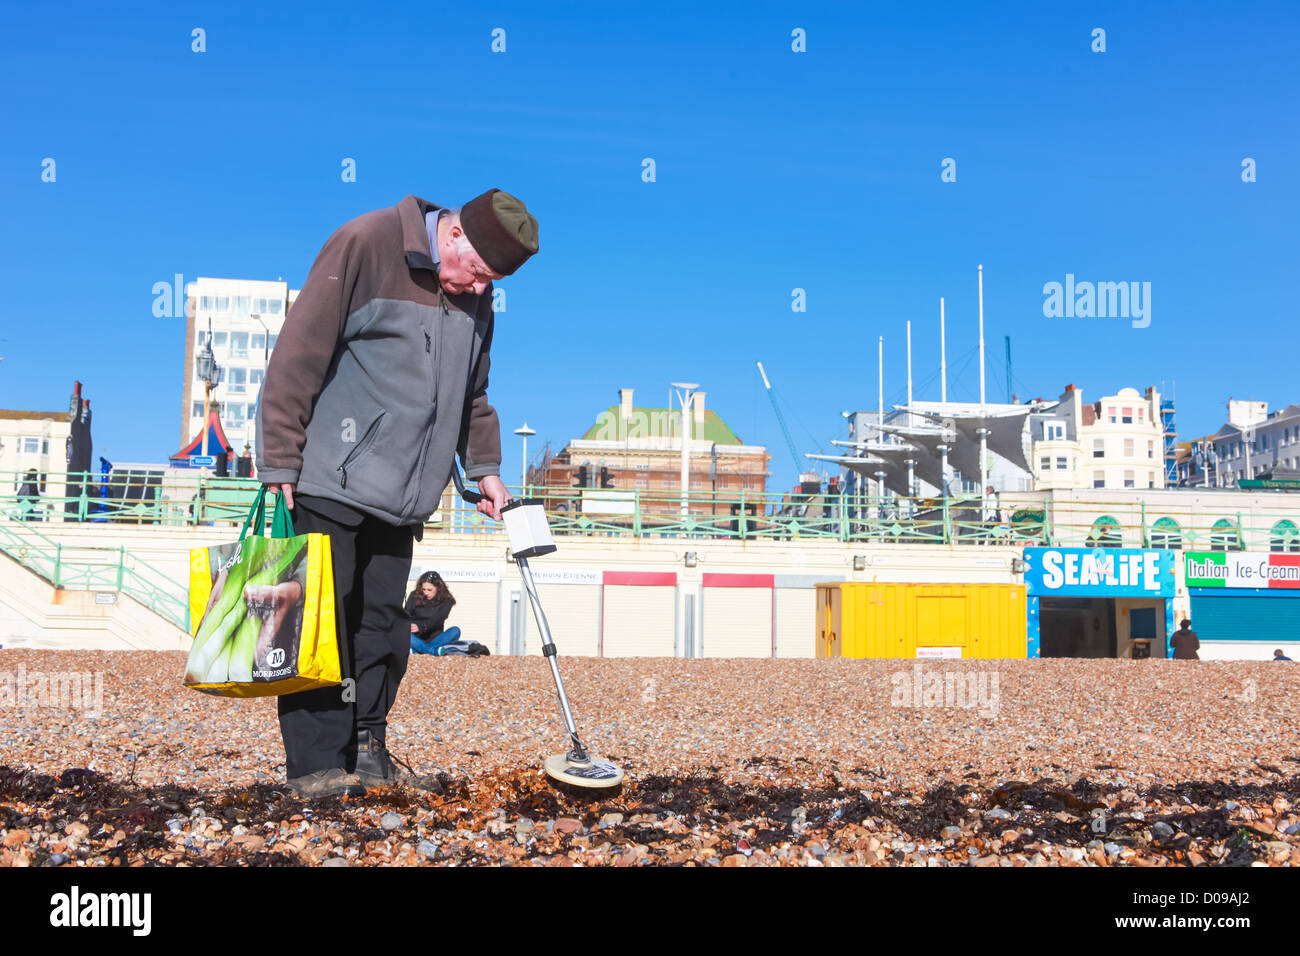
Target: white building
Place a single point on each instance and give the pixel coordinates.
(34, 441)
(1115, 442)
(1254, 442)
(244, 317)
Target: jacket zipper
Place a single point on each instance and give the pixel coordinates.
(433, 396)
(365, 440)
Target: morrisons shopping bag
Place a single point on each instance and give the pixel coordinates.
(263, 611)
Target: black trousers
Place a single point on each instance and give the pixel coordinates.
(372, 561)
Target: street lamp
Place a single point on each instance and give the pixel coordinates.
(524, 432)
(684, 396)
(206, 366)
(266, 357)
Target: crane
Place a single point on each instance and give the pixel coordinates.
(785, 429)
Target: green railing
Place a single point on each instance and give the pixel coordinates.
(79, 568)
(1137, 519)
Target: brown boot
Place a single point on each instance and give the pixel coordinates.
(334, 782)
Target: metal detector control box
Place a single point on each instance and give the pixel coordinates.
(525, 520)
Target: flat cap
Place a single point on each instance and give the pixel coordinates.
(501, 229)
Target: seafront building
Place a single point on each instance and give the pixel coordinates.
(633, 454)
(241, 318)
(926, 449)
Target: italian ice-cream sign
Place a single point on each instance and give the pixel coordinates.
(1242, 569)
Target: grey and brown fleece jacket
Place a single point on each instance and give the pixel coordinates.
(379, 378)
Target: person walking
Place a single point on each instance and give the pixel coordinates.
(428, 607)
(1185, 642)
(378, 380)
(29, 496)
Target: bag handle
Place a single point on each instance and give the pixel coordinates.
(281, 522)
(256, 514)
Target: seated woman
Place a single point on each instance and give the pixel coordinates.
(428, 607)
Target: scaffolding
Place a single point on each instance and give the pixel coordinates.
(1171, 439)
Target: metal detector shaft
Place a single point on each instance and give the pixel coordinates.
(548, 646)
(549, 651)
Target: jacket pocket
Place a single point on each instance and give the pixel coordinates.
(361, 449)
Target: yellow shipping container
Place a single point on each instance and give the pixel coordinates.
(857, 619)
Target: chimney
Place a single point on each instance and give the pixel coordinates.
(624, 403)
(699, 408)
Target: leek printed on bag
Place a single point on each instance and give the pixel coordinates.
(253, 619)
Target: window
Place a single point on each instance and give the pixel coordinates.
(1151, 449)
(239, 345)
(1105, 533)
(200, 338)
(1284, 537)
(242, 304)
(254, 377)
(1110, 414)
(238, 379)
(1263, 440)
(1166, 533)
(1053, 431)
(1223, 536)
(233, 414)
(1098, 448)
(1045, 463)
(1128, 448)
(1151, 482)
(221, 303)
(1127, 417)
(196, 409)
(219, 340)
(34, 446)
(1140, 412)
(1099, 479)
(206, 302)
(272, 342)
(1062, 464)
(257, 342)
(1130, 480)
(273, 307)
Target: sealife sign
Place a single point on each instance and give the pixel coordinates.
(1099, 572)
(1241, 569)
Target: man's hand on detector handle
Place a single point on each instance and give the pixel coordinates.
(494, 494)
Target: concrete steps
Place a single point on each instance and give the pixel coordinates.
(33, 613)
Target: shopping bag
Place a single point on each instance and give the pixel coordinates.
(263, 611)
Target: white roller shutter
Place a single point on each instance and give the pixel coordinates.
(737, 622)
(639, 620)
(796, 622)
(573, 614)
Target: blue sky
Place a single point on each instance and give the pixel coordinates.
(775, 170)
